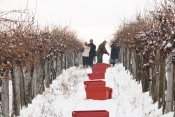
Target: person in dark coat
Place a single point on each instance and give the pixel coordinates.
(100, 51)
(114, 53)
(92, 52)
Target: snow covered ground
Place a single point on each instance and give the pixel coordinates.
(67, 94)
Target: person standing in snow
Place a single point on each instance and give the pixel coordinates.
(85, 55)
(100, 51)
(114, 53)
(92, 52)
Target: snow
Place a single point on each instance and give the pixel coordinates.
(169, 45)
(66, 94)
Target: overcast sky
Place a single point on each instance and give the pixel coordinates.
(96, 19)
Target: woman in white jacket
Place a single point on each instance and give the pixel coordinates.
(85, 55)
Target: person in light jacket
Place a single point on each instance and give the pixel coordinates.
(85, 55)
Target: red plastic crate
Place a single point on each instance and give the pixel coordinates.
(98, 93)
(93, 76)
(104, 65)
(90, 113)
(94, 83)
(98, 70)
(99, 67)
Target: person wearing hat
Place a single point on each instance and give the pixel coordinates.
(92, 52)
(100, 51)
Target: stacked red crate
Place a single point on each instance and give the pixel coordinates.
(104, 65)
(94, 83)
(90, 113)
(94, 76)
(98, 89)
(98, 93)
(100, 67)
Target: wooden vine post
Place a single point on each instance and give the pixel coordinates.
(5, 93)
(169, 78)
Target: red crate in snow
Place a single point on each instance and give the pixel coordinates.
(104, 65)
(93, 76)
(98, 70)
(90, 113)
(98, 93)
(94, 83)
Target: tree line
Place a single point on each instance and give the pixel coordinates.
(147, 46)
(31, 57)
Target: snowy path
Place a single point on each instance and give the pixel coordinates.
(127, 99)
(67, 94)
